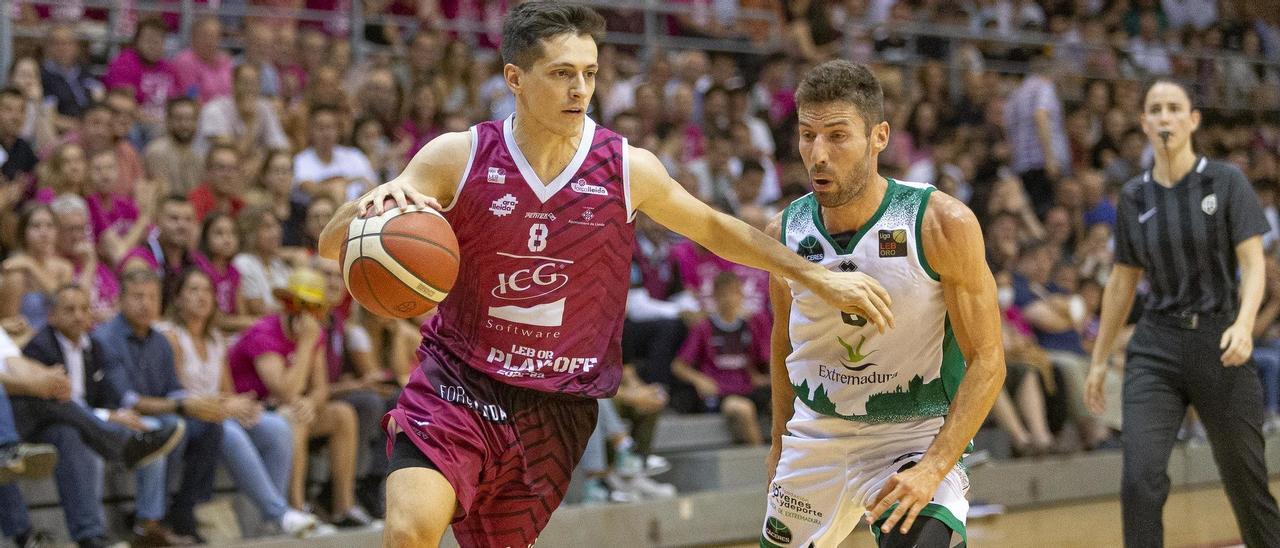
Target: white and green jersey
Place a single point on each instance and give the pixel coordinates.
(840, 365)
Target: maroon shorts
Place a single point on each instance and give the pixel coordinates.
(508, 452)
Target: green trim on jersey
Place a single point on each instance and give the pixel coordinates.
(924, 263)
(816, 209)
(953, 365)
(786, 214)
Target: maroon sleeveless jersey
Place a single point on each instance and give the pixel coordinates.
(542, 288)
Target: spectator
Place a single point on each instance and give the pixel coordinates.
(725, 359)
(143, 69)
(258, 37)
(281, 359)
(124, 121)
(97, 134)
(172, 159)
(386, 158)
(244, 119)
(1198, 14)
(1147, 51)
(318, 213)
(257, 444)
(261, 266)
(203, 71)
(219, 243)
(1040, 152)
(119, 221)
(152, 377)
(75, 244)
(38, 115)
(19, 163)
(273, 189)
(73, 396)
(170, 249)
(327, 168)
(625, 480)
(64, 171)
(18, 460)
(33, 273)
(64, 77)
(223, 187)
(423, 123)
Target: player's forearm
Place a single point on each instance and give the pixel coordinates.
(331, 237)
(983, 380)
(739, 242)
(1117, 302)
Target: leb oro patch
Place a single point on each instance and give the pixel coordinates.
(893, 243)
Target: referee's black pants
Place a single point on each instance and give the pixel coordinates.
(1169, 366)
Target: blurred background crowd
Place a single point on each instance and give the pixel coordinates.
(165, 173)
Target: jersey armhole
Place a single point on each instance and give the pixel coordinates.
(924, 263)
(466, 173)
(626, 180)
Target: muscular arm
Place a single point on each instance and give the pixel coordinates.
(953, 246)
(433, 172)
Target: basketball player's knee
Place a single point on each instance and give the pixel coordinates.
(407, 526)
(926, 532)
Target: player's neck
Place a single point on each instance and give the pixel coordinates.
(852, 215)
(546, 151)
(1171, 167)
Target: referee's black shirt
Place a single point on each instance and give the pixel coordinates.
(1184, 237)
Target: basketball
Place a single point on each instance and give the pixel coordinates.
(400, 264)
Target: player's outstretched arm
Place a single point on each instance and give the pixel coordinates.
(657, 195)
(429, 180)
(783, 396)
(953, 246)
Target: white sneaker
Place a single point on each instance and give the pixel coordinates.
(650, 489)
(298, 524)
(620, 489)
(655, 464)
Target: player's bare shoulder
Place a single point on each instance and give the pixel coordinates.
(774, 228)
(438, 166)
(950, 233)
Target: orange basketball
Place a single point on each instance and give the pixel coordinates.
(400, 264)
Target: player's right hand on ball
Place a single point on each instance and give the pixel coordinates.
(374, 201)
(857, 293)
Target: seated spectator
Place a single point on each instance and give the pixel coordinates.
(423, 123)
(657, 311)
(1020, 407)
(119, 221)
(19, 163)
(203, 71)
(64, 171)
(223, 187)
(260, 263)
(125, 128)
(624, 480)
(219, 243)
(387, 158)
(726, 360)
(37, 115)
(71, 392)
(274, 189)
(257, 444)
(17, 461)
(244, 120)
(63, 75)
(318, 213)
(172, 158)
(35, 271)
(142, 68)
(74, 244)
(326, 168)
(280, 360)
(98, 134)
(171, 248)
(152, 376)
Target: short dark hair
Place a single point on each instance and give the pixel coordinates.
(151, 23)
(528, 24)
(322, 108)
(136, 275)
(840, 81)
(55, 298)
(179, 101)
(1146, 90)
(12, 93)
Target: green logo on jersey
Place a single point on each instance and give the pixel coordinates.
(777, 531)
(854, 354)
(811, 249)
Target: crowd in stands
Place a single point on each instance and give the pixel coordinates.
(163, 309)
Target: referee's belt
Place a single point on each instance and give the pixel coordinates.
(1187, 319)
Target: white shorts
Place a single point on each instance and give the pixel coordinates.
(831, 469)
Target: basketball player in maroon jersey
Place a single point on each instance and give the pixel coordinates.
(493, 422)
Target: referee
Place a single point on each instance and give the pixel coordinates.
(1191, 224)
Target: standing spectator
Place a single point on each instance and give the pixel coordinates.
(32, 274)
(281, 359)
(172, 159)
(143, 69)
(262, 267)
(244, 119)
(170, 249)
(74, 397)
(223, 188)
(725, 358)
(1033, 120)
(119, 221)
(64, 76)
(203, 71)
(327, 168)
(75, 244)
(148, 361)
(257, 444)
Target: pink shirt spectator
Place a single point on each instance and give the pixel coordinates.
(105, 293)
(727, 353)
(199, 79)
(110, 212)
(266, 336)
(226, 283)
(153, 83)
(419, 136)
(699, 267)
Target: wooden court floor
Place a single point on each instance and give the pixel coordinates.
(1193, 518)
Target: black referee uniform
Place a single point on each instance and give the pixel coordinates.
(1184, 239)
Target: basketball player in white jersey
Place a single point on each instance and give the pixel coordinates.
(871, 424)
